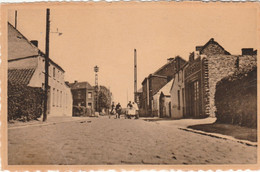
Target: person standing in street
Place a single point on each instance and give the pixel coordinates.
(118, 110)
(112, 109)
(135, 106)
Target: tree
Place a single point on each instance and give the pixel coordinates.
(104, 98)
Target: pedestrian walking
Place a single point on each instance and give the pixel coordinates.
(118, 110)
(129, 105)
(112, 110)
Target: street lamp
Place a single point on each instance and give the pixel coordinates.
(96, 69)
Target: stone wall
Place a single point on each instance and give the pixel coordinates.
(212, 49)
(247, 62)
(220, 66)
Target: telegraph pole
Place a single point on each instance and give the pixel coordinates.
(15, 22)
(46, 83)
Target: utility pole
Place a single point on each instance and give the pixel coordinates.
(15, 20)
(135, 75)
(46, 83)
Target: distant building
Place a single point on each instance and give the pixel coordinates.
(83, 94)
(26, 66)
(154, 82)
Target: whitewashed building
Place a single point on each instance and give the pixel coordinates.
(177, 92)
(26, 65)
(165, 91)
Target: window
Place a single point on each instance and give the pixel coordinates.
(53, 72)
(182, 100)
(90, 105)
(79, 94)
(58, 76)
(60, 98)
(179, 101)
(57, 104)
(53, 97)
(89, 95)
(182, 75)
(196, 90)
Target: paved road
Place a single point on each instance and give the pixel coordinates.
(120, 141)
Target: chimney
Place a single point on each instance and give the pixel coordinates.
(170, 59)
(197, 51)
(34, 42)
(247, 51)
(191, 57)
(198, 48)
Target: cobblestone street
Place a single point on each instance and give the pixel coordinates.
(120, 141)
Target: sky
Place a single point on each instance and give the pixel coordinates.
(107, 34)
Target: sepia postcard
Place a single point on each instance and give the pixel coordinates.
(129, 86)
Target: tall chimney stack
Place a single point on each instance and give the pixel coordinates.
(135, 75)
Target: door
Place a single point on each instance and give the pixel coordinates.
(170, 110)
(48, 101)
(195, 99)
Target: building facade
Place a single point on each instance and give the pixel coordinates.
(207, 65)
(26, 65)
(162, 94)
(177, 93)
(83, 95)
(154, 82)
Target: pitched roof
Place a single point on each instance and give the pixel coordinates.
(19, 47)
(79, 85)
(166, 88)
(211, 41)
(20, 76)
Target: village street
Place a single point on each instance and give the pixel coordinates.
(121, 141)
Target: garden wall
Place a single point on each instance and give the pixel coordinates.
(236, 99)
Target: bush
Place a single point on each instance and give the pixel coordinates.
(82, 111)
(24, 103)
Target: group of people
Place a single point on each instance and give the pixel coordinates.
(117, 109)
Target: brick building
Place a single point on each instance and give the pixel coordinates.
(83, 95)
(155, 81)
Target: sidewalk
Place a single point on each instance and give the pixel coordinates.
(183, 124)
(50, 120)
